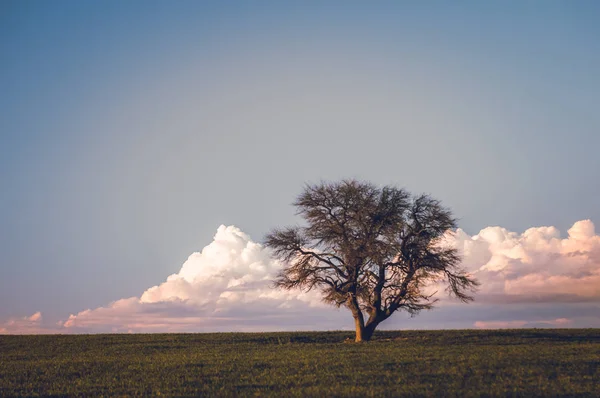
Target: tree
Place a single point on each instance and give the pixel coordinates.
(372, 250)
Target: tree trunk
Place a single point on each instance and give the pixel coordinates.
(364, 333)
(360, 329)
(368, 332)
(359, 318)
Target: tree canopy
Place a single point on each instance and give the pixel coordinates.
(370, 249)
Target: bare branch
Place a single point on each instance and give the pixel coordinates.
(370, 249)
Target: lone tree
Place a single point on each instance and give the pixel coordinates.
(370, 249)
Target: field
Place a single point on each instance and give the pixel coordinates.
(423, 363)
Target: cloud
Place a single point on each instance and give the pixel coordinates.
(26, 325)
(555, 323)
(532, 279)
(35, 317)
(535, 266)
(226, 286)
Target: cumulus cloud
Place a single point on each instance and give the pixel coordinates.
(226, 286)
(535, 266)
(532, 279)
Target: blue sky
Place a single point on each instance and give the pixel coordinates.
(129, 131)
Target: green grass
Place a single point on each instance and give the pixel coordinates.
(423, 363)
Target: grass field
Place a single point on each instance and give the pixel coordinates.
(424, 363)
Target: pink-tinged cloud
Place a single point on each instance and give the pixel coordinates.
(554, 323)
(27, 325)
(227, 287)
(535, 266)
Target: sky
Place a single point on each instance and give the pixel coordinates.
(136, 136)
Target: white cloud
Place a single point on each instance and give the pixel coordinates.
(227, 287)
(535, 266)
(232, 269)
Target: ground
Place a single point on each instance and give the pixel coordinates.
(396, 363)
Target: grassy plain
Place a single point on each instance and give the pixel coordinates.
(539, 362)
